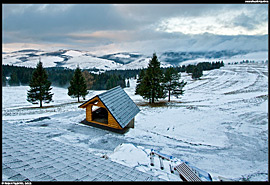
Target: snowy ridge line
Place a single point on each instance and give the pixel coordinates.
(125, 60)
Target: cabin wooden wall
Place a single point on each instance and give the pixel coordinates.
(111, 121)
(89, 112)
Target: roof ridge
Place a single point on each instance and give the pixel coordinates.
(108, 91)
(101, 94)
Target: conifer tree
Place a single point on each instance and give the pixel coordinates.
(77, 86)
(14, 80)
(111, 82)
(197, 72)
(172, 84)
(143, 86)
(190, 68)
(139, 84)
(150, 85)
(40, 86)
(4, 80)
(89, 79)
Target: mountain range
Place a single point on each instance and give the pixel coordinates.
(68, 58)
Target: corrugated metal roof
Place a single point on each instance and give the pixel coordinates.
(120, 105)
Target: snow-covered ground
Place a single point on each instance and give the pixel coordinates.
(219, 125)
(257, 56)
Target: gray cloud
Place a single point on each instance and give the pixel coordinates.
(106, 24)
(245, 21)
(76, 17)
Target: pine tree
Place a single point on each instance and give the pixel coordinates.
(4, 80)
(139, 87)
(149, 86)
(190, 68)
(222, 64)
(143, 86)
(89, 79)
(171, 83)
(13, 81)
(40, 86)
(111, 82)
(77, 86)
(197, 73)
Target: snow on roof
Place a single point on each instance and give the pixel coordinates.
(120, 105)
(31, 156)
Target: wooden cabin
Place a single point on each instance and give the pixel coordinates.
(111, 109)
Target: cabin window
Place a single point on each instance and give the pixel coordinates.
(99, 114)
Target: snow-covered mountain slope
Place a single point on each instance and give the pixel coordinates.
(61, 58)
(72, 58)
(257, 56)
(125, 60)
(219, 125)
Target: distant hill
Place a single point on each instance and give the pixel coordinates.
(122, 60)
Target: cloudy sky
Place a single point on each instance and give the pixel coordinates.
(135, 27)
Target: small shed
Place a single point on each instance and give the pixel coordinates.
(112, 109)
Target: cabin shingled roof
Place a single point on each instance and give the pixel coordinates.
(38, 157)
(120, 105)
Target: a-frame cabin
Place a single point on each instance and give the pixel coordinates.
(112, 109)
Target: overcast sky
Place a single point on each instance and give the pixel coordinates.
(121, 27)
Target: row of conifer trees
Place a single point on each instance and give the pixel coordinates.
(40, 86)
(153, 83)
(18, 75)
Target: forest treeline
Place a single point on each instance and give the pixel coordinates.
(18, 75)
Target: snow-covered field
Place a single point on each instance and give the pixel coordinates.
(252, 56)
(219, 125)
